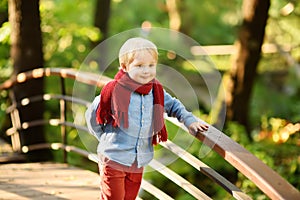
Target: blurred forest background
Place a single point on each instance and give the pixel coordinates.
(71, 28)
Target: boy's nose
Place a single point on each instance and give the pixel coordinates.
(145, 69)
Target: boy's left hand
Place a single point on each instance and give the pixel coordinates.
(197, 127)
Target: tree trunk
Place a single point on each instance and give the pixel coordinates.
(185, 18)
(102, 14)
(26, 54)
(243, 71)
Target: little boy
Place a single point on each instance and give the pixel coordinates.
(127, 119)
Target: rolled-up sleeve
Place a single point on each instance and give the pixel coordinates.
(90, 117)
(174, 108)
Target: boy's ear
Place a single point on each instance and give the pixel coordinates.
(123, 66)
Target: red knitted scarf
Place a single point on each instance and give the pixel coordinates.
(115, 99)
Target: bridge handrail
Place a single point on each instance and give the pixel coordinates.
(271, 183)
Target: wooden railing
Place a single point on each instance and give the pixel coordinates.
(269, 182)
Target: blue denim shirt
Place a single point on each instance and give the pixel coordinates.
(124, 146)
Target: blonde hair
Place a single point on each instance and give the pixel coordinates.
(131, 46)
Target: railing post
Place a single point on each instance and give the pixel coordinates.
(63, 117)
(16, 124)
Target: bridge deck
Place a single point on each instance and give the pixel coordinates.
(47, 181)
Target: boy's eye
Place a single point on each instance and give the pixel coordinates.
(140, 66)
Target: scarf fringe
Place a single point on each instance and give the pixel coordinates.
(160, 136)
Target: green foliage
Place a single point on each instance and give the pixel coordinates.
(68, 31)
(272, 97)
(5, 69)
(281, 157)
(5, 66)
(3, 6)
(121, 19)
(194, 17)
(283, 28)
(284, 22)
(237, 132)
(203, 21)
(67, 35)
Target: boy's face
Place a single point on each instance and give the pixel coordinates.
(143, 67)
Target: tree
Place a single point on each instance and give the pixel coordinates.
(101, 19)
(102, 14)
(242, 74)
(26, 54)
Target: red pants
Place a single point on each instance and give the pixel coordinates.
(119, 182)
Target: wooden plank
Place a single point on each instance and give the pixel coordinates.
(181, 182)
(205, 169)
(8, 155)
(11, 157)
(47, 181)
(230, 49)
(155, 191)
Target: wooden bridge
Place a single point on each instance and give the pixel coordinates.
(62, 181)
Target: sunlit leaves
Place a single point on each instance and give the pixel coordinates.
(67, 34)
(5, 33)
